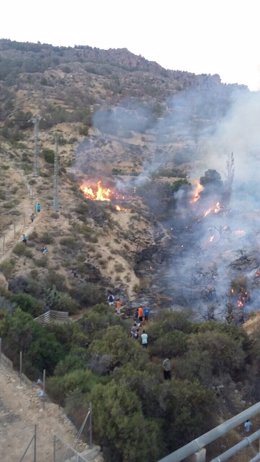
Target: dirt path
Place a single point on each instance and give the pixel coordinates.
(22, 224)
(20, 410)
(20, 406)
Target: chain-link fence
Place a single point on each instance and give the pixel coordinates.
(62, 452)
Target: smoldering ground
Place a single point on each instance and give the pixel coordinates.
(197, 131)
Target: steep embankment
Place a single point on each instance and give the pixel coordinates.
(20, 410)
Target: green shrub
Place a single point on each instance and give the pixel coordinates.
(170, 344)
(28, 303)
(70, 242)
(7, 267)
(61, 301)
(59, 387)
(41, 262)
(54, 279)
(88, 294)
(22, 251)
(48, 155)
(119, 268)
(46, 238)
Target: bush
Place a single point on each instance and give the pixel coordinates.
(118, 411)
(22, 251)
(46, 238)
(28, 303)
(48, 155)
(118, 347)
(7, 267)
(60, 301)
(169, 345)
(59, 387)
(119, 267)
(54, 279)
(88, 294)
(76, 359)
(41, 262)
(70, 242)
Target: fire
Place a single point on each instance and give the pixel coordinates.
(96, 193)
(196, 194)
(118, 208)
(215, 209)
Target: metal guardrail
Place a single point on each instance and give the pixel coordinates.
(203, 440)
(238, 447)
(256, 458)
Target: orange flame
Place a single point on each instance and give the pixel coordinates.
(120, 209)
(197, 191)
(97, 193)
(215, 209)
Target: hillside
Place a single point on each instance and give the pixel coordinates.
(72, 89)
(141, 195)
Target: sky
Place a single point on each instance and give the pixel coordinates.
(200, 36)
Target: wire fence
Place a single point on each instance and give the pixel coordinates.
(31, 448)
(62, 452)
(12, 234)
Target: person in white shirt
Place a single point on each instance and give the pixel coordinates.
(144, 339)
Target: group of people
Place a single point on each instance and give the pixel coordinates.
(137, 331)
(141, 316)
(116, 302)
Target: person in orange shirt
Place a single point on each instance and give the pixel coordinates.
(140, 313)
(118, 305)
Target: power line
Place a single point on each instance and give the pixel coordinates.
(35, 122)
(55, 177)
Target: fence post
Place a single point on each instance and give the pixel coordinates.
(21, 366)
(200, 456)
(34, 445)
(54, 448)
(43, 386)
(90, 425)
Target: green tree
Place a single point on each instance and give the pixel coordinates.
(78, 379)
(211, 354)
(118, 347)
(98, 319)
(121, 427)
(28, 303)
(187, 410)
(170, 344)
(40, 347)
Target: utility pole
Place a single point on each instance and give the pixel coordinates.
(55, 177)
(36, 121)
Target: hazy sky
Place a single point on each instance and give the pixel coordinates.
(200, 36)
